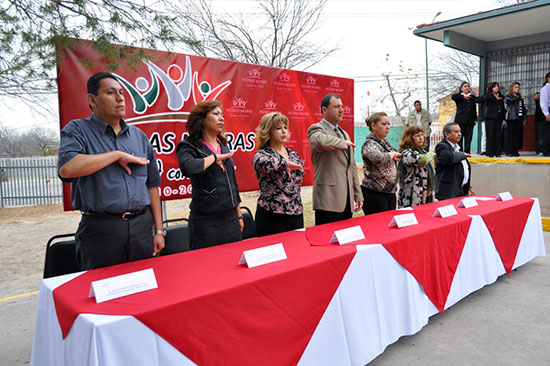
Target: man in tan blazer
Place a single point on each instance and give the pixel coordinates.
(336, 189)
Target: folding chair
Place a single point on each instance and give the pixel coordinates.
(249, 230)
(60, 256)
(177, 239)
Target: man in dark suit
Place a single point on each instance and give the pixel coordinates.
(452, 168)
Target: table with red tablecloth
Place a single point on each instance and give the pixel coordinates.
(325, 304)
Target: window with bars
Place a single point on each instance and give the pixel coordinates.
(526, 64)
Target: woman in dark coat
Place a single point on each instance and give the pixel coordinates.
(205, 159)
(466, 114)
(516, 114)
(494, 119)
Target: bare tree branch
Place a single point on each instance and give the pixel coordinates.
(277, 33)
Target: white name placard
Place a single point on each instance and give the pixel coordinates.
(257, 257)
(348, 235)
(504, 196)
(445, 211)
(403, 220)
(467, 202)
(123, 285)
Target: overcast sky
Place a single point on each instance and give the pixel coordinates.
(365, 30)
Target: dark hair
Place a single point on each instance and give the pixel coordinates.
(406, 138)
(447, 127)
(462, 84)
(491, 86)
(374, 118)
(512, 86)
(417, 101)
(94, 82)
(546, 79)
(195, 121)
(325, 102)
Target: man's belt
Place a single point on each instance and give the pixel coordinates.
(128, 215)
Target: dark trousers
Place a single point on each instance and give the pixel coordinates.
(493, 127)
(546, 139)
(512, 134)
(374, 201)
(539, 133)
(268, 223)
(105, 241)
(466, 139)
(325, 217)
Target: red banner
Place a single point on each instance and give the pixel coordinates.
(161, 91)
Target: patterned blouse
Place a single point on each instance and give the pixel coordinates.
(416, 177)
(380, 170)
(279, 192)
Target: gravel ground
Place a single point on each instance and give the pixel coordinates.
(24, 232)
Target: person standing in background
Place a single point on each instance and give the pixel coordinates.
(545, 107)
(516, 114)
(422, 118)
(539, 124)
(494, 118)
(466, 114)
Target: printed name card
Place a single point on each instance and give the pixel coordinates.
(467, 202)
(257, 257)
(348, 235)
(123, 285)
(403, 220)
(445, 211)
(504, 196)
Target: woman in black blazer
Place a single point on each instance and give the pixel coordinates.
(466, 114)
(494, 119)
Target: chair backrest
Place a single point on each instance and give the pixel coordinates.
(177, 238)
(249, 230)
(60, 256)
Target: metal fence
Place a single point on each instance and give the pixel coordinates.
(29, 181)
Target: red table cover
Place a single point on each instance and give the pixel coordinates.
(505, 221)
(218, 313)
(430, 251)
(203, 303)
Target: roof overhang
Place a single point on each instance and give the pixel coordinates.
(515, 25)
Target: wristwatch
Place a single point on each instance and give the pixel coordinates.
(161, 232)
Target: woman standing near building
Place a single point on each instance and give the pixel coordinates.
(380, 166)
(494, 119)
(545, 106)
(415, 169)
(280, 172)
(516, 114)
(466, 114)
(205, 158)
